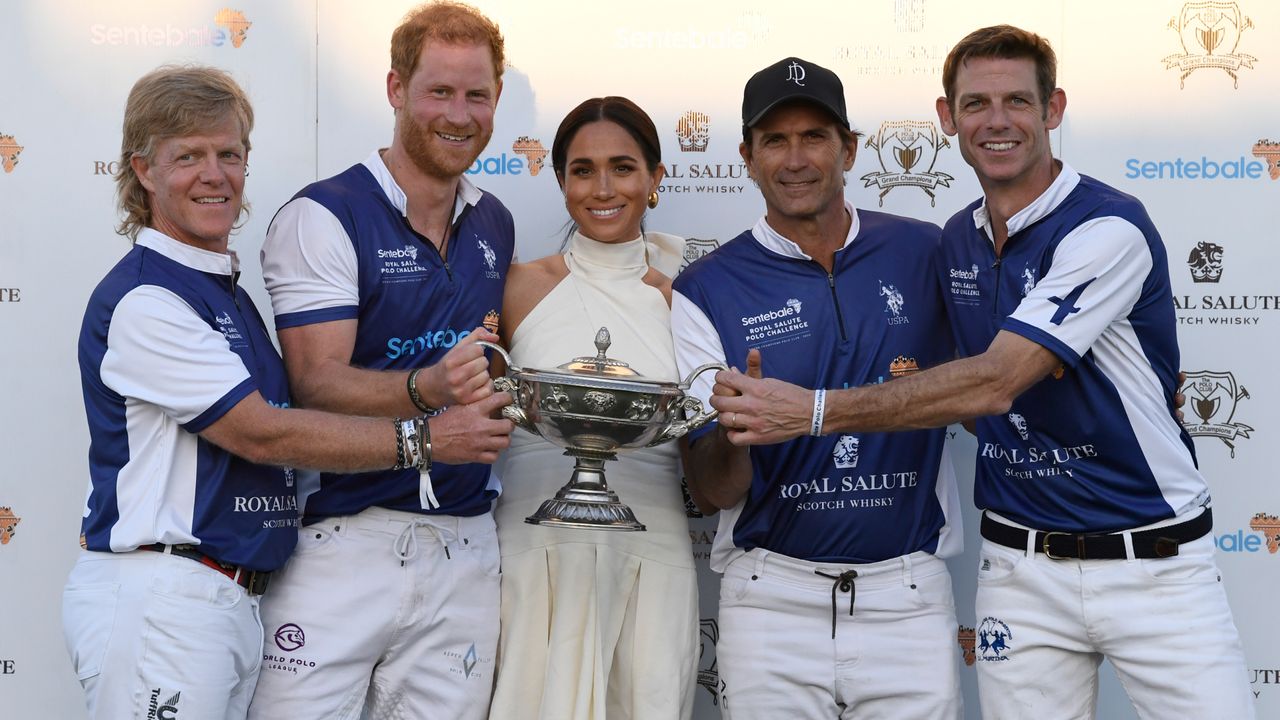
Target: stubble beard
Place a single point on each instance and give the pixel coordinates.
(417, 139)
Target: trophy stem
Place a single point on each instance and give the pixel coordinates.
(586, 500)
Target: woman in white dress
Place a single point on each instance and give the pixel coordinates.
(597, 624)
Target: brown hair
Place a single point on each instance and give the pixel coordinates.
(171, 101)
(1004, 42)
(617, 110)
(447, 22)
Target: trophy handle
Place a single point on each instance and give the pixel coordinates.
(513, 412)
(698, 371)
(696, 415)
(511, 367)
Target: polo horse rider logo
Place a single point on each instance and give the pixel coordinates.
(1210, 35)
(911, 148)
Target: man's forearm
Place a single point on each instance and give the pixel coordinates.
(719, 471)
(335, 386)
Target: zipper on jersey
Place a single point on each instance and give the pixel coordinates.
(995, 300)
(835, 300)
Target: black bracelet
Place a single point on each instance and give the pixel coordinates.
(399, 446)
(414, 396)
(424, 445)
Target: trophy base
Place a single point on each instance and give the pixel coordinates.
(587, 509)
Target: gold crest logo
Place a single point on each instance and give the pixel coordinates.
(8, 523)
(9, 152)
(903, 366)
(234, 22)
(967, 637)
(1269, 526)
(1269, 152)
(532, 151)
(1210, 34)
(1214, 398)
(693, 130)
(908, 150)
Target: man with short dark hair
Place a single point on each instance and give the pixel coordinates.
(382, 278)
(834, 602)
(1097, 525)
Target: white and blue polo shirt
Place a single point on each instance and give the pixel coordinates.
(168, 345)
(342, 249)
(1095, 447)
(847, 498)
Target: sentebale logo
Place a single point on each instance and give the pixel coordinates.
(532, 151)
(8, 524)
(9, 152)
(1266, 150)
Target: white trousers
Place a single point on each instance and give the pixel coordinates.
(160, 637)
(1044, 625)
(386, 613)
(895, 657)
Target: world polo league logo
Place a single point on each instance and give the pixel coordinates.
(1205, 262)
(9, 152)
(290, 637)
(908, 150)
(1266, 150)
(1214, 398)
(693, 131)
(1210, 35)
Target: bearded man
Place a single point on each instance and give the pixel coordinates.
(381, 279)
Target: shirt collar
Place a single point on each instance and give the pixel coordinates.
(189, 255)
(1039, 208)
(468, 194)
(775, 242)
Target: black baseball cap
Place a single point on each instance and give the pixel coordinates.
(793, 79)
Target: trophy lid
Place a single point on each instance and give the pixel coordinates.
(600, 365)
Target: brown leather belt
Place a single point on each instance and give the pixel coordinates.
(253, 581)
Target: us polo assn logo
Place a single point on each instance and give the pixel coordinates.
(1028, 281)
(993, 640)
(693, 131)
(695, 249)
(8, 524)
(910, 148)
(845, 454)
(9, 152)
(708, 674)
(893, 303)
(1205, 262)
(490, 259)
(166, 710)
(967, 639)
(532, 151)
(1264, 149)
(1269, 527)
(1210, 35)
(1214, 398)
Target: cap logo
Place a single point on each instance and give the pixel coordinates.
(795, 73)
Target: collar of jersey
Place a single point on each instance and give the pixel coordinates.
(468, 194)
(189, 255)
(1048, 201)
(773, 241)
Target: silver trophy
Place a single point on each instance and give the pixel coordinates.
(594, 407)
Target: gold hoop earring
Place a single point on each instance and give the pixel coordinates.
(653, 199)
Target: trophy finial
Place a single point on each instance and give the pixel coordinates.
(603, 341)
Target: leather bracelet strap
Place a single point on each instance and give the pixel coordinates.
(414, 396)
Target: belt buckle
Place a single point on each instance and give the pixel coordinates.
(1044, 546)
(257, 582)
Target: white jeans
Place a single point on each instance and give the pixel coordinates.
(160, 636)
(895, 657)
(1044, 625)
(390, 613)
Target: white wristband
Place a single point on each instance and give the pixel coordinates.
(819, 408)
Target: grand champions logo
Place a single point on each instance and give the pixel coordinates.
(1214, 397)
(1210, 35)
(907, 151)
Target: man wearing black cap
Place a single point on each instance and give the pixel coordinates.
(834, 601)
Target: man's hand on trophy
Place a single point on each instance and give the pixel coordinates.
(462, 375)
(755, 410)
(469, 433)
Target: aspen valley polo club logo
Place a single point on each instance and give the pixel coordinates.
(9, 152)
(908, 151)
(1214, 398)
(693, 133)
(229, 26)
(1210, 35)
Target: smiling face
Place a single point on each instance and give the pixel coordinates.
(444, 112)
(1003, 124)
(606, 182)
(798, 157)
(195, 184)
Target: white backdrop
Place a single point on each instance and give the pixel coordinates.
(1151, 110)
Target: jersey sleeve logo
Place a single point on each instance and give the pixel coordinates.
(1067, 305)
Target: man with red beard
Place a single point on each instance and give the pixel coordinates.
(381, 279)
